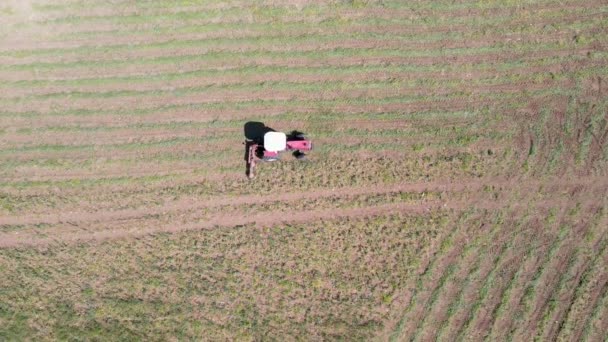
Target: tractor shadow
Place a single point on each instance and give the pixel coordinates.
(255, 131)
(254, 134)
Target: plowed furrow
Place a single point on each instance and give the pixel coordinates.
(568, 287)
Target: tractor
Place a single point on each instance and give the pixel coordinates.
(271, 144)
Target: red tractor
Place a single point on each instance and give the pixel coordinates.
(269, 146)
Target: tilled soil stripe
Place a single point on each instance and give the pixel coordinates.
(246, 76)
(529, 267)
(436, 308)
(291, 80)
(126, 186)
(405, 27)
(237, 10)
(195, 204)
(202, 162)
(306, 44)
(269, 111)
(225, 220)
(502, 274)
(75, 235)
(191, 63)
(367, 91)
(323, 83)
(550, 275)
(348, 133)
(191, 204)
(345, 46)
(469, 296)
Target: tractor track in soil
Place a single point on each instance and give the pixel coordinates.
(131, 223)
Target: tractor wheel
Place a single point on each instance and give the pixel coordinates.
(270, 159)
(299, 155)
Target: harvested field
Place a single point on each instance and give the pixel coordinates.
(458, 189)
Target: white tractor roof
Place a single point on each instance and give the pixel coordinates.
(275, 141)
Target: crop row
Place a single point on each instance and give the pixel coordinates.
(195, 107)
(286, 41)
(309, 20)
(375, 49)
(489, 296)
(331, 83)
(250, 73)
(187, 5)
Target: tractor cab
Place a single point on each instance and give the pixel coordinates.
(275, 141)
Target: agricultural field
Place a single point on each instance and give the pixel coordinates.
(458, 189)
